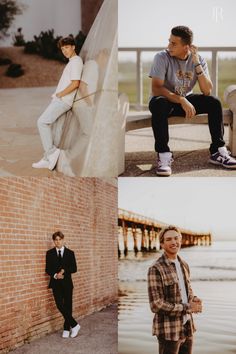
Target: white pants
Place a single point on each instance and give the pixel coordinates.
(55, 109)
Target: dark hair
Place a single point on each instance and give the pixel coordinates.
(185, 33)
(57, 234)
(66, 41)
(165, 229)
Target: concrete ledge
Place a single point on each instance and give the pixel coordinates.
(142, 119)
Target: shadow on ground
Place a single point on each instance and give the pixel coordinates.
(186, 163)
(98, 335)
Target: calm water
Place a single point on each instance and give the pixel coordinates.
(213, 274)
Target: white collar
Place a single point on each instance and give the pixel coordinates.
(60, 249)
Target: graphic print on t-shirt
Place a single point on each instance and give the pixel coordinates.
(179, 76)
(183, 82)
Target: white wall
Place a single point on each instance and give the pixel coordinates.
(64, 16)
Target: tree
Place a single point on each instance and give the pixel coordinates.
(8, 10)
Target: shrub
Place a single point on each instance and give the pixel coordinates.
(46, 45)
(5, 61)
(15, 70)
(79, 40)
(18, 38)
(31, 47)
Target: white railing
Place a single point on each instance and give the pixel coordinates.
(139, 66)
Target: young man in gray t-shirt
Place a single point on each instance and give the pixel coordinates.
(174, 73)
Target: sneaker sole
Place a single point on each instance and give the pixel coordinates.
(54, 162)
(222, 165)
(163, 174)
(40, 166)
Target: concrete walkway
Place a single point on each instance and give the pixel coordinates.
(20, 144)
(189, 144)
(98, 335)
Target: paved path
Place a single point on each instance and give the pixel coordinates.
(98, 335)
(189, 143)
(20, 144)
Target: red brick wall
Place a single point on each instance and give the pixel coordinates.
(85, 210)
(89, 10)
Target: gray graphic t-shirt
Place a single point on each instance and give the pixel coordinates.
(179, 75)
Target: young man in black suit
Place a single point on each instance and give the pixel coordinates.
(60, 264)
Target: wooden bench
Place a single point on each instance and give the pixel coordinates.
(137, 120)
(140, 120)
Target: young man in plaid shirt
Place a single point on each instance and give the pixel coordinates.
(171, 297)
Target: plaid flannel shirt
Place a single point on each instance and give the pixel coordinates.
(165, 299)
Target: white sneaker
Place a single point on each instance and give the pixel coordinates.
(66, 334)
(41, 164)
(75, 331)
(222, 157)
(164, 164)
(53, 159)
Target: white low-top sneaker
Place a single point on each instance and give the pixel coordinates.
(52, 158)
(66, 334)
(41, 164)
(222, 157)
(75, 331)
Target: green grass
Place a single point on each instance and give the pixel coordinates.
(127, 72)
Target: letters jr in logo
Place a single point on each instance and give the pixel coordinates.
(217, 14)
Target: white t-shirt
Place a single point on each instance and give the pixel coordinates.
(182, 287)
(72, 71)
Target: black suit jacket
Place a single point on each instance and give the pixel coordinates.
(53, 266)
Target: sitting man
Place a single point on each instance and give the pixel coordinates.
(174, 73)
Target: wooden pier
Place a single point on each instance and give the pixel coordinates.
(141, 233)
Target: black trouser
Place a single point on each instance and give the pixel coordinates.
(161, 108)
(63, 299)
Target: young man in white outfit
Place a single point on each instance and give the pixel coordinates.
(62, 101)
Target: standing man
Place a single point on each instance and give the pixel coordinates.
(62, 101)
(171, 297)
(60, 264)
(174, 73)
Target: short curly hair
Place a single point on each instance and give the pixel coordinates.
(165, 229)
(184, 32)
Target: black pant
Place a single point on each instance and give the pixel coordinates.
(63, 299)
(176, 347)
(161, 108)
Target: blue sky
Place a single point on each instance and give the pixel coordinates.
(198, 204)
(148, 22)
